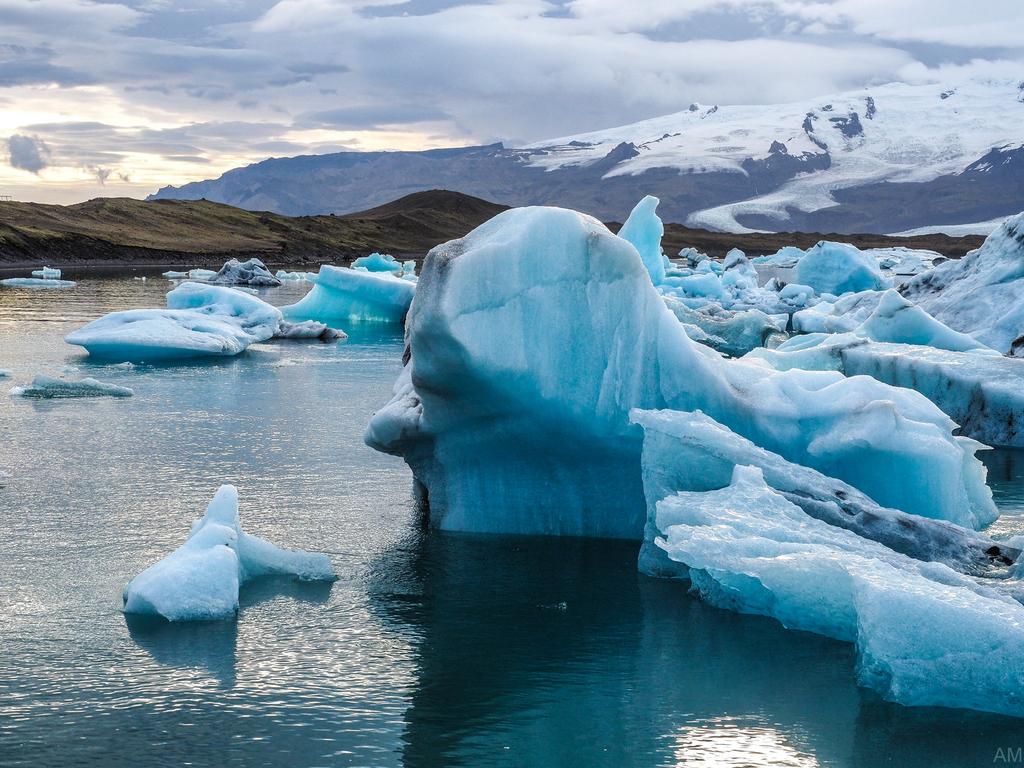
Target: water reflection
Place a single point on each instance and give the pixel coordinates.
(729, 743)
(205, 645)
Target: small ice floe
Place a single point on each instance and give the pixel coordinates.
(284, 274)
(4, 373)
(199, 581)
(172, 275)
(46, 387)
(36, 282)
(252, 273)
(46, 272)
(309, 329)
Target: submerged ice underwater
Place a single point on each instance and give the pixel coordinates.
(559, 381)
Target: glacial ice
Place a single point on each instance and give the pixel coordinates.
(925, 635)
(284, 274)
(902, 345)
(201, 274)
(838, 268)
(838, 315)
(46, 272)
(788, 256)
(693, 452)
(644, 230)
(341, 295)
(47, 387)
(174, 275)
(37, 282)
(4, 373)
(732, 333)
(539, 332)
(201, 320)
(309, 329)
(252, 273)
(378, 262)
(199, 581)
(981, 294)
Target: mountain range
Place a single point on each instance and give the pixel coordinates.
(891, 158)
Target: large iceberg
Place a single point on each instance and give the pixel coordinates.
(341, 295)
(981, 294)
(532, 338)
(201, 320)
(200, 580)
(839, 268)
(925, 634)
(49, 387)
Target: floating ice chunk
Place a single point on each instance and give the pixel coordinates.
(46, 272)
(4, 373)
(644, 229)
(46, 387)
(540, 330)
(839, 268)
(201, 320)
(342, 295)
(692, 452)
(839, 315)
(252, 273)
(309, 329)
(981, 294)
(202, 274)
(796, 293)
(409, 267)
(703, 286)
(788, 256)
(925, 635)
(200, 580)
(897, 320)
(905, 262)
(692, 256)
(732, 333)
(37, 282)
(283, 274)
(172, 275)
(378, 262)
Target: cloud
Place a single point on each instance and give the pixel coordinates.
(27, 153)
(176, 89)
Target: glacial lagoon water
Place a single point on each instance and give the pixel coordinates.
(430, 650)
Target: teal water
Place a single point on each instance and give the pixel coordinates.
(430, 650)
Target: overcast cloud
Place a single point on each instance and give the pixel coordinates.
(121, 97)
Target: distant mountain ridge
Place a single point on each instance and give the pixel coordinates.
(883, 159)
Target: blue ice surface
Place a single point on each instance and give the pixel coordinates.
(839, 268)
(541, 330)
(341, 295)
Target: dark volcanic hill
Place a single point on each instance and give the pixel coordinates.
(120, 231)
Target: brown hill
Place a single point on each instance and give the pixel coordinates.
(123, 231)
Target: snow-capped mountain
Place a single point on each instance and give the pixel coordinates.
(884, 159)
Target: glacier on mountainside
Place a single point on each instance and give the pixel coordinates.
(539, 332)
(199, 581)
(925, 635)
(342, 295)
(981, 294)
(201, 320)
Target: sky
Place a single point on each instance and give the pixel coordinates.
(119, 98)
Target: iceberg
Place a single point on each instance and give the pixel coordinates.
(201, 274)
(37, 282)
(47, 387)
(838, 315)
(693, 452)
(981, 294)
(732, 333)
(309, 329)
(902, 345)
(46, 272)
(341, 295)
(644, 230)
(838, 268)
(173, 275)
(252, 273)
(283, 274)
(199, 581)
(925, 635)
(378, 262)
(201, 320)
(785, 257)
(538, 333)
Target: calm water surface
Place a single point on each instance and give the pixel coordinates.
(431, 650)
